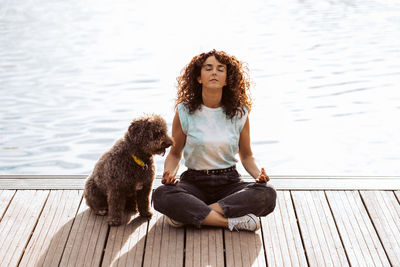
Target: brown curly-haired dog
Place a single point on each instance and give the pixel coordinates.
(122, 178)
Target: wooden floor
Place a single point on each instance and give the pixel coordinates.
(44, 227)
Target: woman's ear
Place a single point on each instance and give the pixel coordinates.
(199, 79)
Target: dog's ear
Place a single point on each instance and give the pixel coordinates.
(137, 130)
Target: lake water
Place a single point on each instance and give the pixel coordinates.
(326, 78)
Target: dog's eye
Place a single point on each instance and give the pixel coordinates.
(156, 135)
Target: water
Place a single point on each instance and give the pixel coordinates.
(325, 73)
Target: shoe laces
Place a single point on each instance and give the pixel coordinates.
(241, 223)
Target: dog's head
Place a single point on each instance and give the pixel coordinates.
(150, 135)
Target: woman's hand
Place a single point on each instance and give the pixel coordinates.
(169, 180)
(263, 177)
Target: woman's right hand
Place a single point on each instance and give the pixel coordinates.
(168, 179)
(263, 177)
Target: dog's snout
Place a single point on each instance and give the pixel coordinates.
(167, 143)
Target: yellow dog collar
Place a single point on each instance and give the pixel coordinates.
(138, 161)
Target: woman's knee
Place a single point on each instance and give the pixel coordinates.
(160, 196)
(270, 199)
(266, 199)
(272, 195)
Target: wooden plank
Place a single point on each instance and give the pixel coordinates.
(153, 243)
(42, 184)
(359, 237)
(50, 236)
(41, 176)
(5, 200)
(323, 210)
(164, 244)
(18, 224)
(204, 247)
(191, 257)
(371, 239)
(336, 183)
(272, 247)
(86, 240)
(282, 240)
(384, 210)
(321, 239)
(281, 182)
(125, 243)
(244, 248)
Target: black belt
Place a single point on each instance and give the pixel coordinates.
(214, 171)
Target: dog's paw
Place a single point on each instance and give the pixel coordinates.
(101, 212)
(114, 221)
(146, 214)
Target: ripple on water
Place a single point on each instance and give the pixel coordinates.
(11, 118)
(56, 149)
(330, 85)
(361, 102)
(104, 130)
(324, 107)
(11, 153)
(301, 120)
(265, 142)
(96, 141)
(59, 163)
(66, 135)
(101, 121)
(92, 156)
(351, 91)
(348, 114)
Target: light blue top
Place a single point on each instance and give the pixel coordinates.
(212, 139)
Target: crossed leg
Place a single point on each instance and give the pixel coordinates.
(254, 198)
(216, 217)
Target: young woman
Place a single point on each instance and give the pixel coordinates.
(210, 127)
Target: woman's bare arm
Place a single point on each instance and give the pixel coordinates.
(246, 155)
(171, 164)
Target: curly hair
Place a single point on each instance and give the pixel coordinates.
(235, 94)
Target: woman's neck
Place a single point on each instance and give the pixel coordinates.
(212, 99)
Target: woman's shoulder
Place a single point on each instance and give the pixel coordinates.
(183, 115)
(246, 109)
(242, 113)
(182, 107)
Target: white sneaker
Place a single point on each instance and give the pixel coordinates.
(174, 223)
(248, 222)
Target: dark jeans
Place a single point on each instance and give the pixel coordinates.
(188, 201)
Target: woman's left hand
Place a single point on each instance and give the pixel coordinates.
(168, 179)
(263, 177)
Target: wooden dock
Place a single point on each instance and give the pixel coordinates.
(318, 221)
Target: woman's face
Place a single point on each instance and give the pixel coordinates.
(213, 74)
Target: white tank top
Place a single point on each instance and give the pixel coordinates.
(212, 139)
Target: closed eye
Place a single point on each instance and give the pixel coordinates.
(209, 67)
